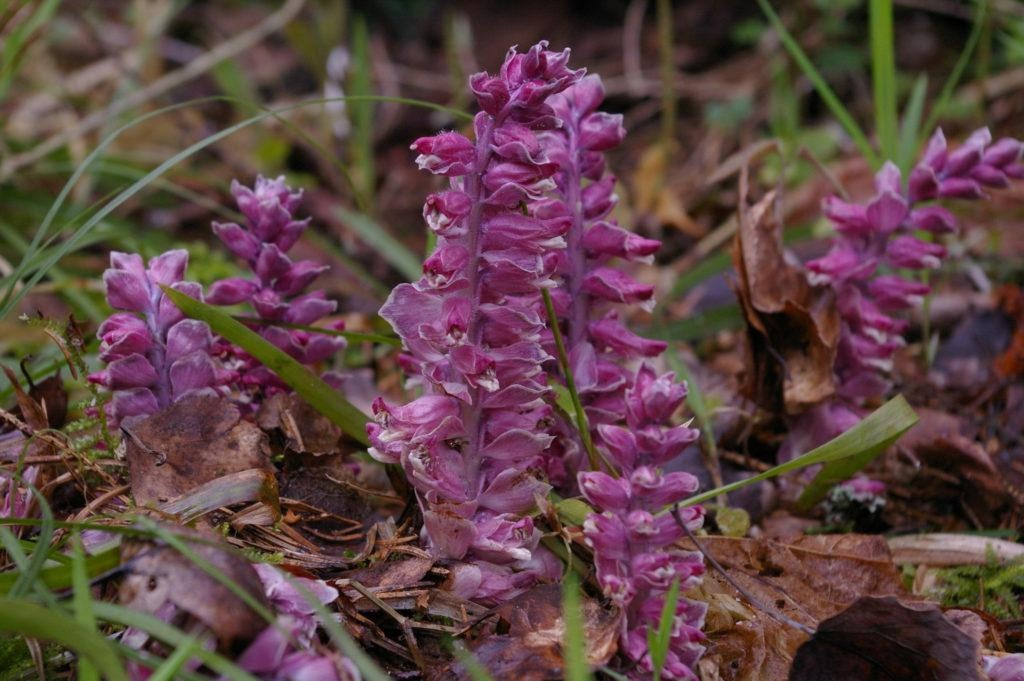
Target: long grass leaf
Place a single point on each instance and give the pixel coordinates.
(166, 633)
(910, 127)
(883, 75)
(361, 84)
(658, 641)
(81, 599)
(874, 433)
(320, 396)
(386, 246)
(26, 618)
(28, 578)
(957, 73)
(59, 577)
(824, 91)
(169, 670)
(574, 650)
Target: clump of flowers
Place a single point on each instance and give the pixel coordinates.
(154, 355)
(632, 535)
(472, 445)
(277, 290)
(881, 234)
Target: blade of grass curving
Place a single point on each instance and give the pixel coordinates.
(361, 83)
(574, 648)
(473, 667)
(320, 396)
(30, 575)
(958, 71)
(354, 336)
(824, 91)
(23, 617)
(612, 674)
(910, 127)
(363, 662)
(17, 41)
(387, 246)
(876, 431)
(168, 671)
(883, 75)
(582, 424)
(10, 298)
(166, 633)
(658, 641)
(61, 576)
(81, 599)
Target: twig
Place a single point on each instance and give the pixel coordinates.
(198, 66)
(402, 620)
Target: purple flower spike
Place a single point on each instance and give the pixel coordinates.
(472, 331)
(154, 355)
(632, 536)
(276, 291)
(882, 233)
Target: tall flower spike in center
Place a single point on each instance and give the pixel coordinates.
(471, 329)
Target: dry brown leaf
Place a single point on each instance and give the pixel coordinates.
(159, 574)
(195, 440)
(305, 430)
(808, 580)
(792, 327)
(881, 638)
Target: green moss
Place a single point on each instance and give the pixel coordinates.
(994, 587)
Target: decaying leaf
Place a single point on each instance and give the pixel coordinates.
(953, 470)
(305, 430)
(158, 574)
(192, 442)
(792, 327)
(881, 638)
(532, 632)
(807, 580)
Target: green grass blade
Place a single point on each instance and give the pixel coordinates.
(170, 635)
(169, 670)
(361, 84)
(363, 662)
(26, 618)
(387, 247)
(476, 671)
(824, 91)
(61, 576)
(883, 75)
(320, 396)
(957, 73)
(575, 645)
(81, 599)
(866, 439)
(910, 127)
(29, 576)
(658, 641)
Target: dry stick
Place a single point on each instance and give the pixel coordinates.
(198, 66)
(777, 616)
(402, 620)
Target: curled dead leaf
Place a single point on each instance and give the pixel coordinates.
(792, 326)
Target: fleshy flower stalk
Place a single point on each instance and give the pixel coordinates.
(880, 233)
(154, 355)
(632, 535)
(471, 328)
(276, 292)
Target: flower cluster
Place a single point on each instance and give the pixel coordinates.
(154, 355)
(631, 534)
(276, 292)
(882, 233)
(273, 655)
(472, 328)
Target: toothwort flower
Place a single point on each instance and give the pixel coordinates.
(880, 233)
(276, 292)
(471, 328)
(154, 355)
(632, 535)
